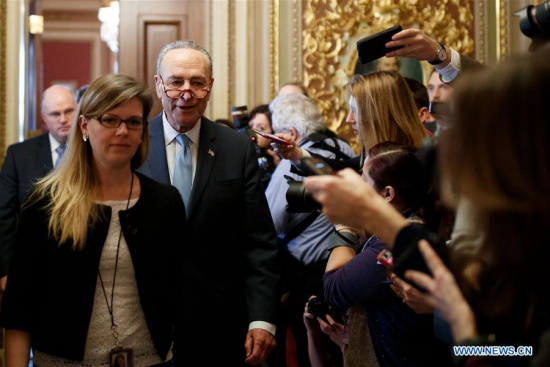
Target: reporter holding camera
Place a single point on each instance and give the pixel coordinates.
(303, 236)
(502, 172)
(318, 321)
(260, 119)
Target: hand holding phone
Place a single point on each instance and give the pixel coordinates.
(385, 257)
(271, 137)
(374, 47)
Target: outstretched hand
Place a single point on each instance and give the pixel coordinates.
(411, 296)
(292, 152)
(416, 44)
(444, 294)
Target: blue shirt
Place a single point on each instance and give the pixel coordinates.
(310, 246)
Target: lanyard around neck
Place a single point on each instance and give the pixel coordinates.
(110, 307)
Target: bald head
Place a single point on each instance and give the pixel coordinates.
(292, 88)
(58, 108)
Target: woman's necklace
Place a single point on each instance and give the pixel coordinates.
(118, 353)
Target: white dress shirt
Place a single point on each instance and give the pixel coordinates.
(449, 72)
(54, 144)
(173, 147)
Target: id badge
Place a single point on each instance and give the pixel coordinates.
(121, 357)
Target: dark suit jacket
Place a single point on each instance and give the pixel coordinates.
(52, 299)
(466, 65)
(229, 256)
(25, 163)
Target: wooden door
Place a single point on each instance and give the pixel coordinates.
(146, 26)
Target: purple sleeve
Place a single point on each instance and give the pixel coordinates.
(358, 281)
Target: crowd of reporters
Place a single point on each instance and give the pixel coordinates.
(488, 166)
(493, 157)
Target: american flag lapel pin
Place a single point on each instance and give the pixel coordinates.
(211, 152)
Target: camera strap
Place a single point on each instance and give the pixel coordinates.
(300, 227)
(319, 142)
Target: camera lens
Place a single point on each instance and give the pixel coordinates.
(240, 116)
(535, 20)
(299, 199)
(317, 307)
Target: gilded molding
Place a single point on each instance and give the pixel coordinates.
(481, 35)
(3, 35)
(331, 28)
(503, 28)
(295, 40)
(274, 46)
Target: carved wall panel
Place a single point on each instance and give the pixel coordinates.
(331, 28)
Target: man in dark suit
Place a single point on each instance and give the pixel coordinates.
(230, 276)
(29, 161)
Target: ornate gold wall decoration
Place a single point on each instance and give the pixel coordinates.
(3, 21)
(331, 28)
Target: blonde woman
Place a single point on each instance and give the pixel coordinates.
(91, 274)
(381, 108)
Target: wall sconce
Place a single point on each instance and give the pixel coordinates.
(36, 24)
(110, 18)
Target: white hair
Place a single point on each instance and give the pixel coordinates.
(187, 44)
(296, 111)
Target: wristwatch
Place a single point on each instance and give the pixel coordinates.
(440, 55)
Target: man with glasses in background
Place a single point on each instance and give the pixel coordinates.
(229, 271)
(29, 161)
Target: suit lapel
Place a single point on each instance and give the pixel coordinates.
(156, 160)
(44, 154)
(36, 164)
(205, 162)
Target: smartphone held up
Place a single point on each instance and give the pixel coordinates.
(273, 138)
(374, 46)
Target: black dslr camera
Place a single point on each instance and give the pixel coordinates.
(319, 308)
(298, 198)
(240, 117)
